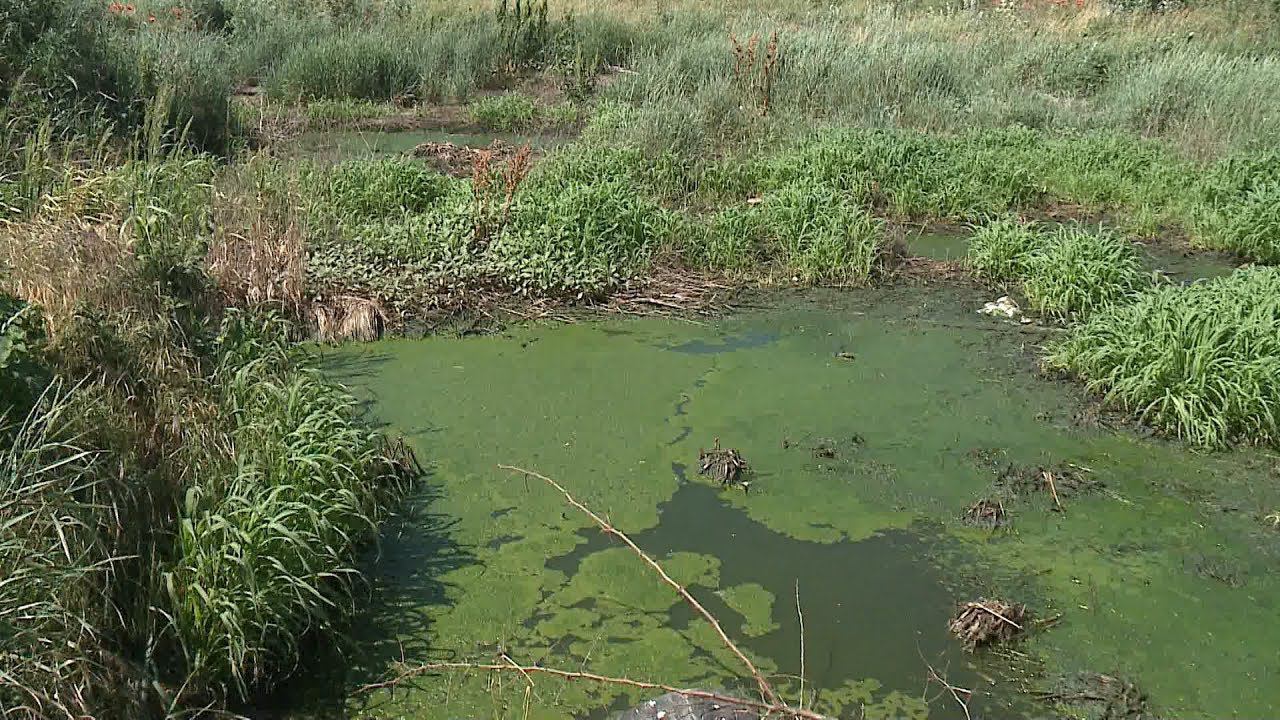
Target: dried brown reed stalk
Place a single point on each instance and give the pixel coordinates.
(739, 59)
(513, 175)
(64, 265)
(987, 622)
(348, 317)
(767, 70)
(754, 78)
(481, 184)
(264, 264)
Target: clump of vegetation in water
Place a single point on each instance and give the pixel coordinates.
(375, 189)
(1201, 362)
(1077, 271)
(330, 112)
(1065, 272)
(1000, 251)
(517, 111)
(814, 234)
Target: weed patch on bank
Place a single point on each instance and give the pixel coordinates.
(1200, 362)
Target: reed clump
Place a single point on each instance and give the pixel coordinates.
(1066, 272)
(1200, 362)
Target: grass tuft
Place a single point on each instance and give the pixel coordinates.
(1077, 272)
(1201, 362)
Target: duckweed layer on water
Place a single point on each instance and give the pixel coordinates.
(870, 420)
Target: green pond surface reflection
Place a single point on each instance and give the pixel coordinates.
(870, 420)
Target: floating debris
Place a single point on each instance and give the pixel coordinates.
(846, 356)
(1217, 568)
(459, 160)
(1100, 696)
(725, 465)
(986, 513)
(824, 450)
(1060, 481)
(987, 622)
(1004, 306)
(675, 706)
(990, 458)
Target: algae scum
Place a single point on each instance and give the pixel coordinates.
(870, 421)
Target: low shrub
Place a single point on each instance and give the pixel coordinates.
(1201, 361)
(360, 190)
(915, 175)
(22, 373)
(578, 238)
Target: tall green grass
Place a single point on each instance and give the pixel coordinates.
(192, 513)
(56, 610)
(1201, 362)
(1063, 272)
(1076, 272)
(266, 548)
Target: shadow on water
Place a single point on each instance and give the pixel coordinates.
(937, 245)
(403, 585)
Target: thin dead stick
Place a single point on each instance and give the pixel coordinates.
(594, 677)
(516, 665)
(1053, 489)
(800, 615)
(953, 689)
(980, 606)
(766, 691)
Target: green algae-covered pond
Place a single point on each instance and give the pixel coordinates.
(871, 420)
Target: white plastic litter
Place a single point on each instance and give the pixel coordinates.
(1004, 306)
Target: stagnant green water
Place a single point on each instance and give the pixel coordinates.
(1165, 577)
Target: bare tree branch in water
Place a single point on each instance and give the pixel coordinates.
(766, 691)
(770, 705)
(765, 709)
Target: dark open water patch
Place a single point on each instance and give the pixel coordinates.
(876, 608)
